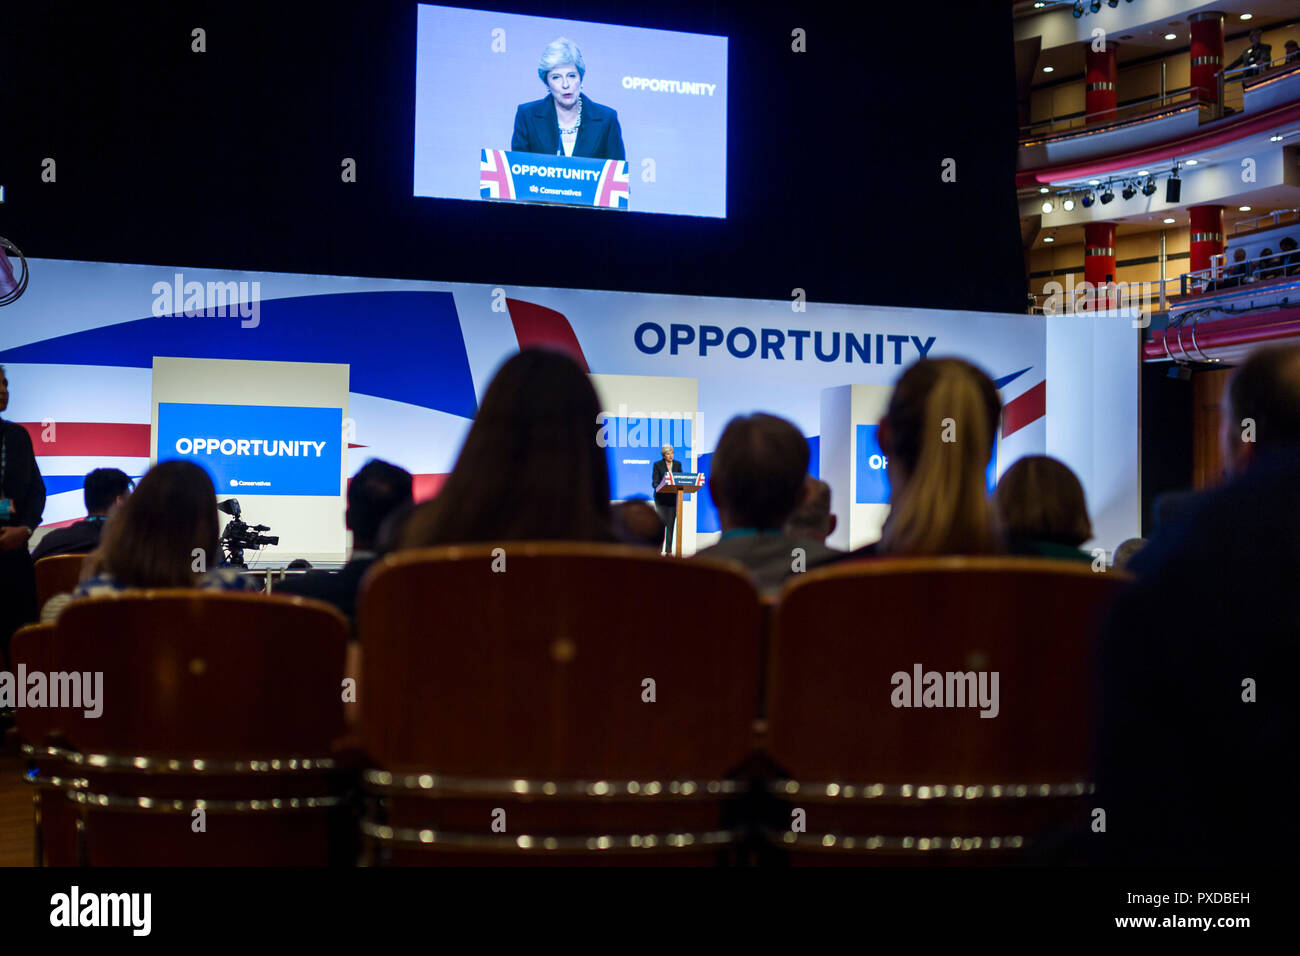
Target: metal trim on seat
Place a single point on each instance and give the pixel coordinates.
(831, 842)
(929, 792)
(190, 766)
(508, 843)
(435, 785)
(105, 801)
(175, 765)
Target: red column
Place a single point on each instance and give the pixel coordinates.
(1207, 235)
(1207, 54)
(1100, 93)
(1099, 259)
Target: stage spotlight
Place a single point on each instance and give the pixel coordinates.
(1113, 3)
(1149, 189)
(1095, 6)
(1088, 199)
(1128, 192)
(1078, 9)
(1047, 206)
(1068, 205)
(1107, 195)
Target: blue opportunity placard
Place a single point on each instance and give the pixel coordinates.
(873, 475)
(257, 449)
(533, 177)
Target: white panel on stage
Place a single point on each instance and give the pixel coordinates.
(280, 434)
(1092, 417)
(658, 404)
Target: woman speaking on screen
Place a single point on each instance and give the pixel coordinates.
(565, 122)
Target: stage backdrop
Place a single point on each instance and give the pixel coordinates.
(80, 346)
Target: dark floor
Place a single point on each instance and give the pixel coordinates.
(15, 808)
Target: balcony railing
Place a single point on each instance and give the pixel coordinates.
(1230, 100)
(1137, 109)
(1242, 273)
(1266, 221)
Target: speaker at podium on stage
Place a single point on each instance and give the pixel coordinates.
(670, 484)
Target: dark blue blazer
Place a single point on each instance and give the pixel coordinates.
(538, 131)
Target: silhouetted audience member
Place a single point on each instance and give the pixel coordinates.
(937, 435)
(374, 492)
(757, 482)
(1292, 51)
(102, 489)
(1236, 273)
(1170, 507)
(1041, 510)
(813, 519)
(1126, 551)
(164, 535)
(1196, 750)
(530, 469)
(391, 529)
(637, 522)
(1291, 258)
(22, 491)
(1269, 264)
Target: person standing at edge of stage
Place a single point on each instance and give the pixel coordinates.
(665, 501)
(22, 502)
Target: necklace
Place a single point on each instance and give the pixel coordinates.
(566, 130)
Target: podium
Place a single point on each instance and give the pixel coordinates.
(683, 484)
(568, 180)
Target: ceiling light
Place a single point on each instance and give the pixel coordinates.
(1039, 5)
(1094, 182)
(1247, 16)
(1243, 209)
(1047, 206)
(1190, 162)
(1144, 172)
(1171, 36)
(1049, 69)
(1042, 189)
(1049, 238)
(1169, 219)
(1275, 138)
(1068, 205)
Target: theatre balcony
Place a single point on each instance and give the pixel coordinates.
(1109, 85)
